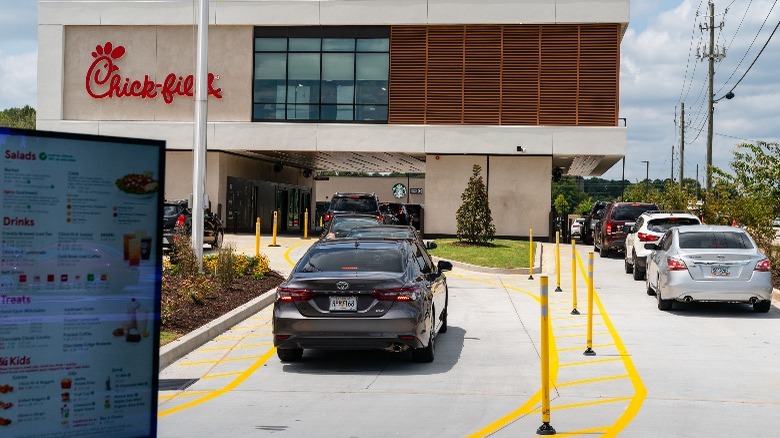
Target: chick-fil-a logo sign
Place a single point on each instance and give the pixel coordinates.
(104, 79)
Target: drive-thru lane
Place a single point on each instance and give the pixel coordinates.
(688, 367)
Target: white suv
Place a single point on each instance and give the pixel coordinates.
(649, 227)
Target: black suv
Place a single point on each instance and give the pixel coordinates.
(362, 203)
(177, 215)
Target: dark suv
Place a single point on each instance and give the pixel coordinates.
(178, 216)
(363, 203)
(610, 232)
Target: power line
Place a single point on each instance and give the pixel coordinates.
(751, 46)
(754, 61)
(733, 38)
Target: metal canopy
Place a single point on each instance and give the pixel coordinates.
(345, 161)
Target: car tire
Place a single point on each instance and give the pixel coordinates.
(427, 353)
(639, 274)
(662, 303)
(289, 354)
(443, 328)
(762, 306)
(218, 239)
(649, 289)
(628, 266)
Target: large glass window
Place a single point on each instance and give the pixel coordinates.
(332, 74)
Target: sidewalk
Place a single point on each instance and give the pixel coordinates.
(281, 260)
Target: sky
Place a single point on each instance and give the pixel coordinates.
(659, 69)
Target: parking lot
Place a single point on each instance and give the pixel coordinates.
(699, 370)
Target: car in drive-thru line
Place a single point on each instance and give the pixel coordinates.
(177, 217)
(362, 294)
(340, 225)
(649, 227)
(610, 232)
(708, 263)
(353, 203)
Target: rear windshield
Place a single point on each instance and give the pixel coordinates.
(353, 259)
(346, 224)
(661, 225)
(357, 205)
(170, 210)
(716, 239)
(630, 212)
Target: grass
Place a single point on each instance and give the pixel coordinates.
(166, 337)
(501, 253)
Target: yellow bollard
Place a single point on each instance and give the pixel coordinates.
(545, 428)
(574, 279)
(558, 262)
(306, 224)
(257, 237)
(273, 238)
(531, 254)
(589, 351)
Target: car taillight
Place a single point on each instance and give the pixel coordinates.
(180, 220)
(289, 294)
(326, 218)
(609, 227)
(410, 293)
(763, 266)
(644, 237)
(379, 217)
(675, 264)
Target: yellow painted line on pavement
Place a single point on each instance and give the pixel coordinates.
(579, 347)
(563, 327)
(218, 375)
(289, 250)
(230, 359)
(536, 399)
(235, 347)
(582, 335)
(533, 404)
(240, 337)
(225, 389)
(180, 394)
(593, 380)
(589, 362)
(640, 392)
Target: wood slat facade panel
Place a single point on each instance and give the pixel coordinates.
(408, 54)
(564, 75)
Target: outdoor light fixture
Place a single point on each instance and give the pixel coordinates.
(520, 149)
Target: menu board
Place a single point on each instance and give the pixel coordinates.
(80, 270)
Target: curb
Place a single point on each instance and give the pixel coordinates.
(181, 347)
(776, 297)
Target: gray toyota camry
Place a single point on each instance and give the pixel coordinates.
(362, 294)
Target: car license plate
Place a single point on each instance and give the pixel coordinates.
(720, 271)
(343, 303)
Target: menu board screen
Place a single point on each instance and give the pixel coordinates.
(80, 270)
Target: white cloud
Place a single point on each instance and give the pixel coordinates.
(18, 79)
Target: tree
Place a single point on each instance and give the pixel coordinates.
(751, 195)
(475, 223)
(18, 117)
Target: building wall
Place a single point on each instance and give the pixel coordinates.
(381, 186)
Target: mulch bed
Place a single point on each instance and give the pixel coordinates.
(189, 315)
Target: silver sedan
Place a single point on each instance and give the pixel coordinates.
(708, 263)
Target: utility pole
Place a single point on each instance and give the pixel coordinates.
(671, 176)
(682, 141)
(647, 179)
(712, 55)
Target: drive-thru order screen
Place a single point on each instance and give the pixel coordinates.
(80, 272)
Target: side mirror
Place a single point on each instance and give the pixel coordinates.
(444, 265)
(651, 246)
